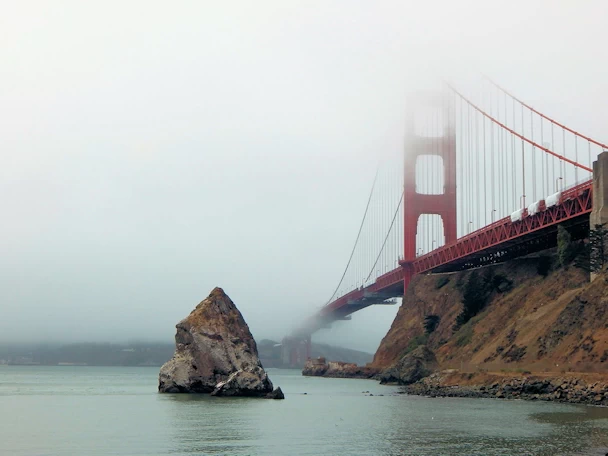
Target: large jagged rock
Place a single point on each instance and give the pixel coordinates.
(215, 353)
(412, 367)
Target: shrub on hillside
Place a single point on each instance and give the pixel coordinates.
(442, 281)
(474, 298)
(544, 266)
(566, 249)
(477, 290)
(415, 342)
(430, 323)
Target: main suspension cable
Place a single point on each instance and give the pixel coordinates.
(352, 253)
(386, 237)
(597, 143)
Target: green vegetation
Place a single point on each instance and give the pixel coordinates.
(544, 266)
(465, 335)
(430, 323)
(415, 342)
(566, 249)
(477, 292)
(442, 281)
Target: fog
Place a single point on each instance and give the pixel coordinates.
(152, 150)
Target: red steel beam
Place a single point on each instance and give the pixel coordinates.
(575, 202)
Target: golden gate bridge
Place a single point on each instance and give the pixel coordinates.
(483, 177)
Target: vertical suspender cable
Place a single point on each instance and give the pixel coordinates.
(544, 183)
(513, 157)
(492, 165)
(533, 159)
(357, 239)
(523, 162)
(552, 161)
(576, 158)
(563, 176)
(459, 209)
(590, 163)
(485, 188)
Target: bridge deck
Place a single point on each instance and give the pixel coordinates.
(499, 241)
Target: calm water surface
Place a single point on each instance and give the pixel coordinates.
(116, 411)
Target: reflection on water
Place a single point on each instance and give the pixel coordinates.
(200, 424)
(589, 421)
(100, 411)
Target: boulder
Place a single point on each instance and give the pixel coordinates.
(276, 394)
(215, 353)
(315, 367)
(417, 364)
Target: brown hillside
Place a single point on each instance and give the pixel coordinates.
(545, 324)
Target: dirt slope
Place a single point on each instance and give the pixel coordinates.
(557, 323)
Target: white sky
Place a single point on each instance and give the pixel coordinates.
(153, 150)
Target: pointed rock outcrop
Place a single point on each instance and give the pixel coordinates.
(215, 353)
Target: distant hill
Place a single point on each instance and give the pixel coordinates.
(270, 353)
(145, 354)
(88, 353)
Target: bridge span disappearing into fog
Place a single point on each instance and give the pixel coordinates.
(484, 178)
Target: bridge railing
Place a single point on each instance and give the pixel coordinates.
(574, 201)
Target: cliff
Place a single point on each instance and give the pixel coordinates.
(520, 316)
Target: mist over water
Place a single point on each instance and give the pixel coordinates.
(152, 152)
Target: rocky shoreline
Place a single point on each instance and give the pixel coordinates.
(570, 389)
(319, 367)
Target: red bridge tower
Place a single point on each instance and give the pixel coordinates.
(430, 132)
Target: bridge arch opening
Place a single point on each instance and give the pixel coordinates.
(429, 233)
(430, 175)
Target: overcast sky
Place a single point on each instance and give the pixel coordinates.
(153, 150)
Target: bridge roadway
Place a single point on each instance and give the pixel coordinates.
(497, 242)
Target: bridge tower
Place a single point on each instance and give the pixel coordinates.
(295, 351)
(430, 133)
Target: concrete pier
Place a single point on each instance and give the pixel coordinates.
(599, 214)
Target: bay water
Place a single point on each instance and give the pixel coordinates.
(82, 410)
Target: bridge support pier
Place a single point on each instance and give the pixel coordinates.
(295, 351)
(599, 214)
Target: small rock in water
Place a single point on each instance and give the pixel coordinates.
(276, 394)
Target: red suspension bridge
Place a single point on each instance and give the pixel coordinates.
(484, 177)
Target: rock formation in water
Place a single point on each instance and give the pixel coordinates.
(215, 353)
(319, 367)
(315, 367)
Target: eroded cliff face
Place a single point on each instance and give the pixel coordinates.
(215, 353)
(530, 322)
